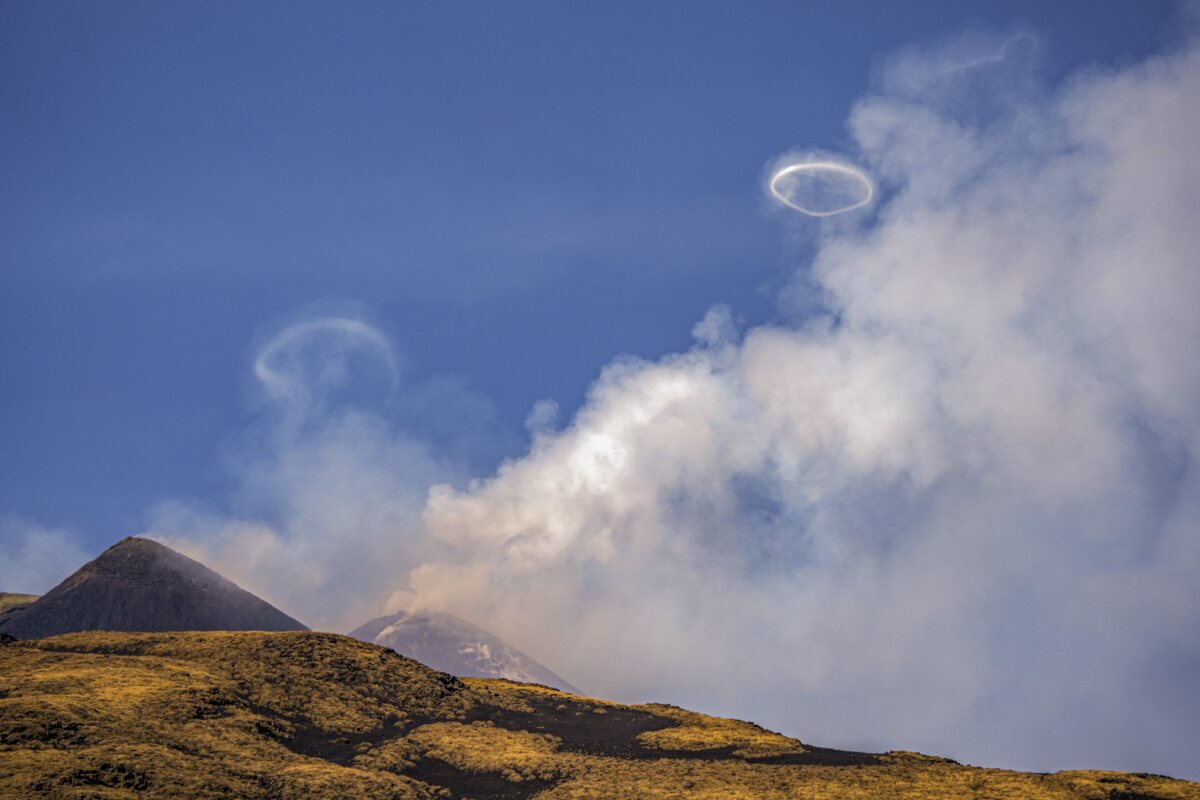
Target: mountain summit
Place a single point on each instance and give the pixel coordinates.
(453, 645)
(141, 585)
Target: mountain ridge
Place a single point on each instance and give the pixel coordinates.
(281, 714)
(140, 585)
(315, 715)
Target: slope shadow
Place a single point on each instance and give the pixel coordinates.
(612, 734)
(615, 734)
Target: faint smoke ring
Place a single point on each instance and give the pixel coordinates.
(282, 375)
(821, 188)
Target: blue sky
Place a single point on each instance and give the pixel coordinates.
(515, 193)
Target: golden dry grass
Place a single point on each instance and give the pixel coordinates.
(309, 715)
(10, 600)
(702, 732)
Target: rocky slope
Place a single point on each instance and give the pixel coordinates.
(314, 715)
(140, 585)
(453, 645)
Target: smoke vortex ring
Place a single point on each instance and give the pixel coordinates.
(816, 166)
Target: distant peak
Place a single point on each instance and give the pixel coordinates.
(139, 584)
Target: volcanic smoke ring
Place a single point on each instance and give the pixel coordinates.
(820, 166)
(276, 380)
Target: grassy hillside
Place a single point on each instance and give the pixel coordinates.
(313, 715)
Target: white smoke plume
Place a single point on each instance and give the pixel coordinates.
(957, 512)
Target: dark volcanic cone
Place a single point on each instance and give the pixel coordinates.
(140, 585)
(449, 644)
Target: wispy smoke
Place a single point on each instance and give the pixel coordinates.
(326, 518)
(959, 511)
(34, 557)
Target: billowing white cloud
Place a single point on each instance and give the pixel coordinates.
(959, 511)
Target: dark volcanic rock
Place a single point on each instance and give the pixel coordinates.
(452, 645)
(140, 585)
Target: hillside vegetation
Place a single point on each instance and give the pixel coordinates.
(314, 715)
(10, 600)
